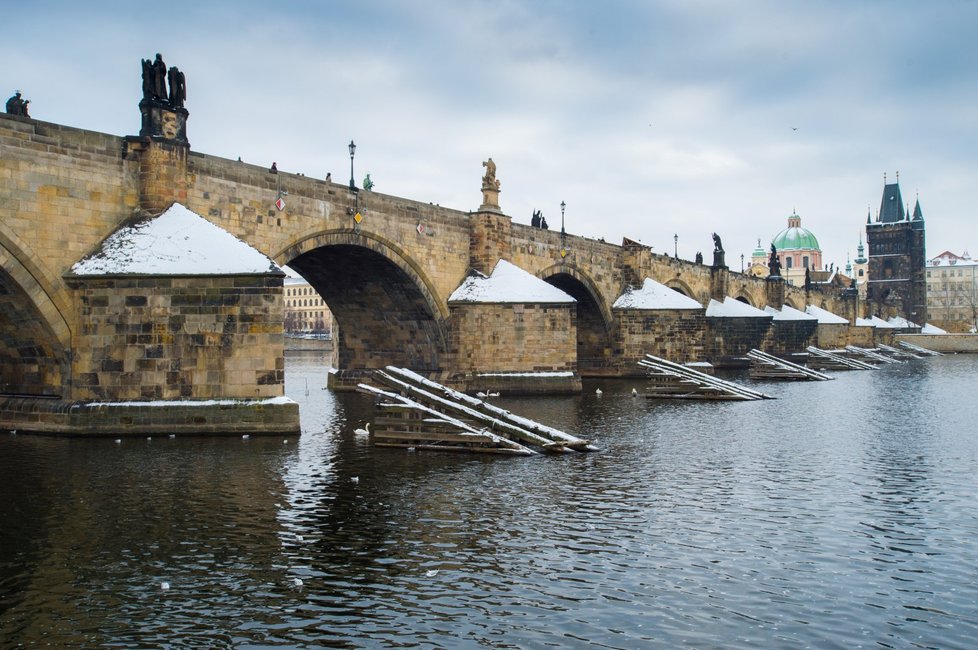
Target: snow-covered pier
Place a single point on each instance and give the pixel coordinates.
(768, 366)
(423, 414)
(671, 380)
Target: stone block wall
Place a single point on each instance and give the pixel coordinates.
(863, 337)
(514, 337)
(490, 240)
(789, 336)
(178, 338)
(832, 336)
(676, 335)
(62, 190)
(733, 337)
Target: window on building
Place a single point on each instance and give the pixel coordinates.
(787, 262)
(804, 261)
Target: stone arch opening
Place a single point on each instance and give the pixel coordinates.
(33, 360)
(594, 345)
(791, 302)
(384, 312)
(678, 285)
(744, 299)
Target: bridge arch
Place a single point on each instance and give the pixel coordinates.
(35, 337)
(794, 303)
(678, 285)
(745, 298)
(594, 339)
(385, 308)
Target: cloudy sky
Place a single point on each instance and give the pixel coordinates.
(648, 118)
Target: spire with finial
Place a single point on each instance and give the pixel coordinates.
(860, 251)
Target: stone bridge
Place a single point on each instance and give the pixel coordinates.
(386, 267)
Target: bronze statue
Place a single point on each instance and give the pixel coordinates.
(178, 87)
(147, 78)
(717, 246)
(773, 263)
(699, 257)
(159, 78)
(535, 220)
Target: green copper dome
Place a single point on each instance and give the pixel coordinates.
(794, 237)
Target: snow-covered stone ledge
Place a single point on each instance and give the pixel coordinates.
(270, 416)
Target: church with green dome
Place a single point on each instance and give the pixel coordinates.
(797, 250)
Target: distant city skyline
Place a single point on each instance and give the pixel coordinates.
(649, 120)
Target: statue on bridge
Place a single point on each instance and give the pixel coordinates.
(155, 79)
(718, 253)
(490, 187)
(163, 112)
(774, 264)
(367, 183)
(489, 181)
(178, 87)
(535, 220)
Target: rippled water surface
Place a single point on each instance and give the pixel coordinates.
(842, 514)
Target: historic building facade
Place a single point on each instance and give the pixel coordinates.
(897, 257)
(305, 311)
(952, 291)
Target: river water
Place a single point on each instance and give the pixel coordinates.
(842, 514)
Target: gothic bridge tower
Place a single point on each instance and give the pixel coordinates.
(897, 257)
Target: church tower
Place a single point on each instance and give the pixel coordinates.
(897, 257)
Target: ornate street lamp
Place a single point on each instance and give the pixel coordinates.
(562, 206)
(675, 246)
(353, 150)
(741, 262)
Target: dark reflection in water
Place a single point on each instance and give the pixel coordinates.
(842, 514)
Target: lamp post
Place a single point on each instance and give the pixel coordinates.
(675, 246)
(353, 149)
(562, 206)
(741, 262)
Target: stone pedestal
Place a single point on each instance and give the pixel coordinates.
(490, 239)
(490, 199)
(163, 122)
(774, 290)
(719, 280)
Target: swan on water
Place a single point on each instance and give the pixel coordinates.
(597, 391)
(634, 392)
(363, 432)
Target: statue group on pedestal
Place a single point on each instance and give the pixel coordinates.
(538, 220)
(17, 106)
(155, 79)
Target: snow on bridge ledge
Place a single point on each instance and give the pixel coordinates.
(788, 313)
(824, 316)
(508, 283)
(654, 295)
(177, 242)
(732, 308)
